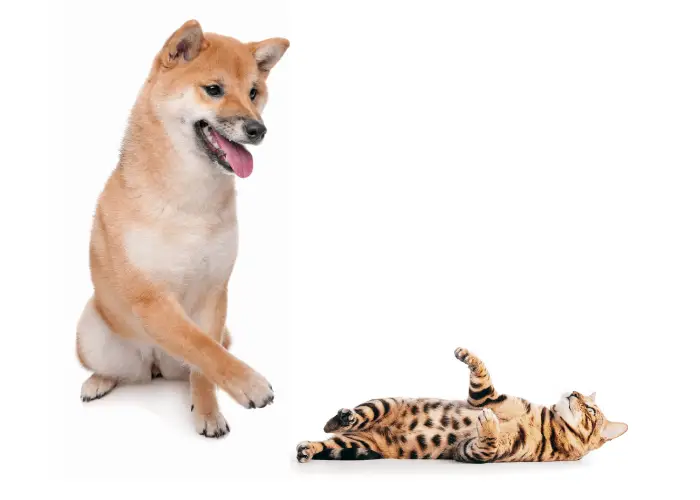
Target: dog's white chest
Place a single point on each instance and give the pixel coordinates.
(191, 256)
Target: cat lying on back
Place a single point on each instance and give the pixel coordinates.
(487, 427)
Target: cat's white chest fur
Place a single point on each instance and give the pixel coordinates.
(191, 254)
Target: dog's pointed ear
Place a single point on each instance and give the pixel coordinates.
(268, 52)
(183, 45)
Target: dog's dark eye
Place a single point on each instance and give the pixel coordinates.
(253, 93)
(214, 90)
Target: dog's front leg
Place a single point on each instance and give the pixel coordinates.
(167, 324)
(211, 318)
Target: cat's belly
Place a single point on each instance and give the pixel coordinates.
(426, 429)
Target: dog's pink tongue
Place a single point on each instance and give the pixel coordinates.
(237, 156)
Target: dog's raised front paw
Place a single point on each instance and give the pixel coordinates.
(254, 391)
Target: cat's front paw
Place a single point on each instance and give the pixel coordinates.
(487, 425)
(467, 358)
(343, 420)
(461, 353)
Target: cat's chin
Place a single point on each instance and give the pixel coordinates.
(563, 409)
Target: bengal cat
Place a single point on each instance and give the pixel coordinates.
(487, 427)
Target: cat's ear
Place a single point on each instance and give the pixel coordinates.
(613, 430)
(592, 397)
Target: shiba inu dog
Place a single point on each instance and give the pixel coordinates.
(164, 237)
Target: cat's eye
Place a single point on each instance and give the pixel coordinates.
(591, 411)
(253, 93)
(214, 90)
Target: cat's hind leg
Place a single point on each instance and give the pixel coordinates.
(364, 416)
(337, 448)
(344, 421)
(481, 389)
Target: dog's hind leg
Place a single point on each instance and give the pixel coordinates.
(169, 368)
(96, 387)
(112, 358)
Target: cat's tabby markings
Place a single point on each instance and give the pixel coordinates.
(487, 427)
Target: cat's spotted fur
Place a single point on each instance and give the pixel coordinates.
(487, 427)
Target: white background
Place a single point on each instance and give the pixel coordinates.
(518, 178)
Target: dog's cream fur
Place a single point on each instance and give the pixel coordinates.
(165, 233)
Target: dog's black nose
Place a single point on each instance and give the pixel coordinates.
(254, 130)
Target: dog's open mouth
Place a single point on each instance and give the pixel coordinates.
(230, 155)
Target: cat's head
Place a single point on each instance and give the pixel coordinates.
(585, 418)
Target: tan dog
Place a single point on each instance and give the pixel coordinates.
(165, 234)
